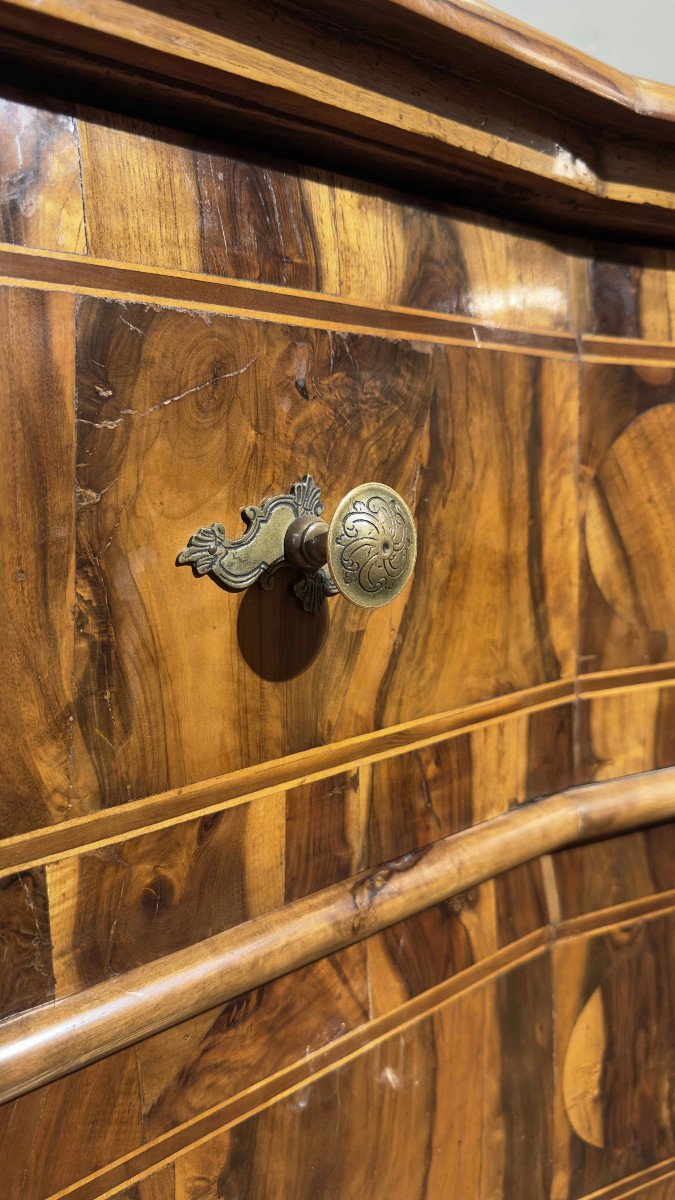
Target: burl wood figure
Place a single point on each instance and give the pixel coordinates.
(337, 846)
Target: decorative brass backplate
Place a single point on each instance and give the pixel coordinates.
(372, 545)
(260, 551)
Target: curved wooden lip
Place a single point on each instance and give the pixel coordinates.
(55, 1039)
(521, 45)
(470, 105)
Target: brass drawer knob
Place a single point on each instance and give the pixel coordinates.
(367, 552)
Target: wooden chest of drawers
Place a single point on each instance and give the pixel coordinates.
(314, 906)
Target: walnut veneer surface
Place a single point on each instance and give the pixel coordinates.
(474, 302)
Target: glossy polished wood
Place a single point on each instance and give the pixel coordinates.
(113, 908)
(153, 428)
(599, 745)
(613, 995)
(518, 383)
(198, 292)
(508, 1011)
(489, 35)
(105, 827)
(627, 421)
(414, 1082)
(277, 80)
(26, 977)
(41, 197)
(36, 1048)
(36, 554)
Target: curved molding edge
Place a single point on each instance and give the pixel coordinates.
(46, 1043)
(304, 81)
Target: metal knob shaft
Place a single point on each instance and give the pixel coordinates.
(370, 545)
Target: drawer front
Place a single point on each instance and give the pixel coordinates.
(186, 418)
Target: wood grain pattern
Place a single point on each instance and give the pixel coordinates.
(660, 1190)
(501, 1017)
(615, 871)
(152, 434)
(325, 836)
(442, 942)
(36, 557)
(184, 1069)
(625, 732)
(207, 210)
(25, 946)
(469, 778)
(614, 1042)
(623, 296)
(506, 46)
(131, 903)
(656, 1189)
(196, 1061)
(167, 1080)
(222, 214)
(627, 500)
(161, 1186)
(211, 1121)
(302, 382)
(40, 188)
(66, 1131)
(252, 1037)
(235, 1050)
(413, 1086)
(648, 746)
(106, 827)
(205, 788)
(76, 274)
(488, 555)
(423, 120)
(114, 908)
(211, 294)
(254, 219)
(631, 292)
(397, 1081)
(75, 1030)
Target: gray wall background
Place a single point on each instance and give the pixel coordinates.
(637, 36)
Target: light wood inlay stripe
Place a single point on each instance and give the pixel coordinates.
(46, 1043)
(626, 677)
(96, 277)
(643, 908)
(239, 787)
(167, 1147)
(104, 827)
(626, 350)
(638, 1184)
(79, 275)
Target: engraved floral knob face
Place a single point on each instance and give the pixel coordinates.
(371, 545)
